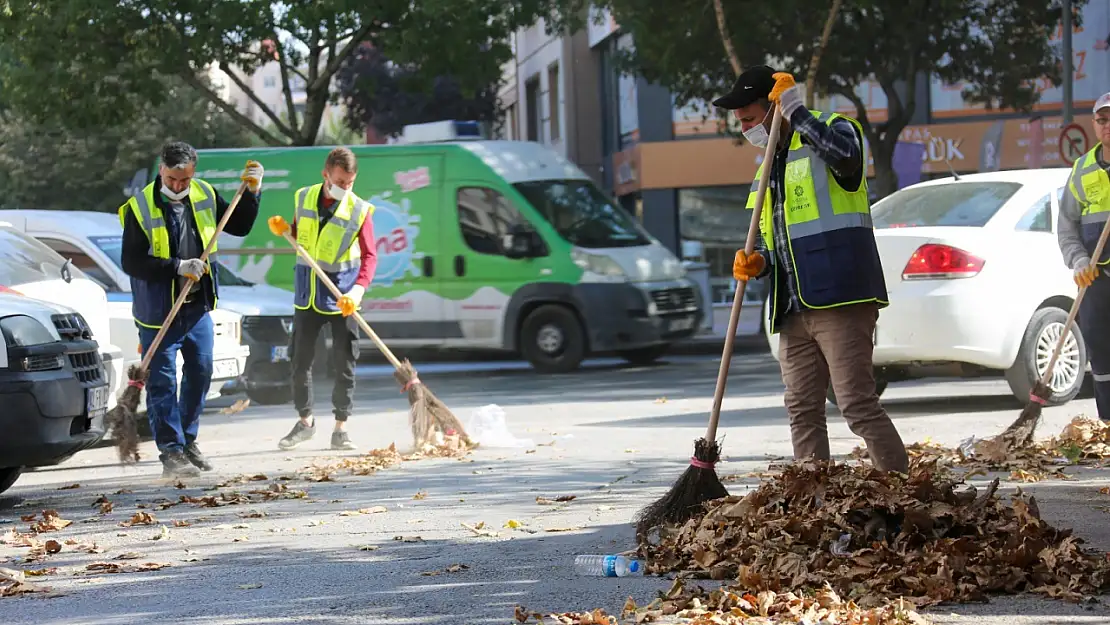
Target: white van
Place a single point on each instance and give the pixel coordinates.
(74, 235)
(31, 269)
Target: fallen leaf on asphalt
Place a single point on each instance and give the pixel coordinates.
(238, 406)
(420, 495)
(112, 567)
(479, 529)
(604, 508)
(408, 539)
(454, 568)
(179, 485)
(104, 504)
(369, 548)
(129, 555)
(661, 400)
(571, 528)
(241, 526)
(70, 487)
(544, 501)
(139, 518)
(181, 523)
(40, 572)
(242, 479)
(27, 518)
(50, 522)
(123, 491)
(513, 524)
(163, 533)
(249, 586)
(52, 546)
(373, 510)
(629, 451)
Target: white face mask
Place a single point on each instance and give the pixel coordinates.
(176, 197)
(757, 135)
(335, 192)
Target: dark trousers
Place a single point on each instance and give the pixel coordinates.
(1094, 323)
(344, 353)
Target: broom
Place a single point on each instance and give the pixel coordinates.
(120, 421)
(1020, 432)
(699, 483)
(426, 412)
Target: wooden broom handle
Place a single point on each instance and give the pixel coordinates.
(338, 294)
(741, 285)
(180, 301)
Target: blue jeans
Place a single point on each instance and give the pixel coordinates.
(1094, 311)
(175, 421)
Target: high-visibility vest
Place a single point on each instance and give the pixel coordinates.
(1090, 185)
(334, 248)
(152, 301)
(831, 238)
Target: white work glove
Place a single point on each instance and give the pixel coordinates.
(356, 293)
(193, 268)
(252, 175)
(787, 94)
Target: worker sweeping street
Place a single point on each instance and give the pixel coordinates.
(166, 228)
(335, 228)
(1084, 211)
(818, 246)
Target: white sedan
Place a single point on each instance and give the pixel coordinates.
(976, 282)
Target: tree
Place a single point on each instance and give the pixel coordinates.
(103, 76)
(55, 167)
(999, 47)
(389, 96)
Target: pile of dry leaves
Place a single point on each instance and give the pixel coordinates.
(377, 459)
(872, 537)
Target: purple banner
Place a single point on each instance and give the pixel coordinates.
(907, 162)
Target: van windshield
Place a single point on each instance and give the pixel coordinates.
(24, 260)
(112, 246)
(582, 214)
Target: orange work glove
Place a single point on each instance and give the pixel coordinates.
(783, 81)
(745, 267)
(347, 305)
(278, 225)
(1085, 275)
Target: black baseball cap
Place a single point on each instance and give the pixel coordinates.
(755, 83)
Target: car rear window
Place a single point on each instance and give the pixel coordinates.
(952, 204)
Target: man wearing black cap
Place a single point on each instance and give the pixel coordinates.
(818, 244)
(1084, 209)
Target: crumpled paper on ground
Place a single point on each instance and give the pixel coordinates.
(488, 428)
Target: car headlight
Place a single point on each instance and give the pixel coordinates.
(24, 331)
(673, 269)
(598, 268)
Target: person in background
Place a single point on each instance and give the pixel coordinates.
(335, 227)
(1084, 210)
(818, 245)
(166, 228)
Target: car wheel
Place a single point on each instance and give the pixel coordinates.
(880, 386)
(552, 339)
(1041, 336)
(270, 395)
(8, 477)
(644, 355)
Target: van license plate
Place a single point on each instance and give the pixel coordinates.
(678, 325)
(96, 401)
(279, 353)
(224, 369)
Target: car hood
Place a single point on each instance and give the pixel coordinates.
(37, 309)
(256, 300)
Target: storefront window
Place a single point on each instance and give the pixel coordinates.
(715, 217)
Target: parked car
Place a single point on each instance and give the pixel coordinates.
(53, 388)
(29, 268)
(976, 282)
(91, 242)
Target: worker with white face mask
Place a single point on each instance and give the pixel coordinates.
(335, 227)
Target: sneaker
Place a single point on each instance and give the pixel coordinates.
(299, 434)
(341, 441)
(175, 464)
(192, 453)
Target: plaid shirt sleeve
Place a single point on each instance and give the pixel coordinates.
(837, 144)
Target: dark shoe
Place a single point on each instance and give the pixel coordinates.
(192, 452)
(340, 441)
(299, 434)
(175, 464)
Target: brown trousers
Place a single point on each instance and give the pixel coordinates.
(836, 343)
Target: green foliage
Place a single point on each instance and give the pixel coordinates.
(50, 165)
(101, 77)
(998, 46)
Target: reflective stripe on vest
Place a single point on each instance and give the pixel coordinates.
(333, 247)
(814, 201)
(1090, 186)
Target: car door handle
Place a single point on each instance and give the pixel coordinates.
(460, 265)
(429, 267)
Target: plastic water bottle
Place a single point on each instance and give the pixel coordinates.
(608, 566)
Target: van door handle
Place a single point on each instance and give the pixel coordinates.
(460, 265)
(429, 267)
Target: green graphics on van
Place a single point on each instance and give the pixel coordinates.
(472, 238)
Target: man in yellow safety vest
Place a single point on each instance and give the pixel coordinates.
(335, 227)
(166, 228)
(818, 246)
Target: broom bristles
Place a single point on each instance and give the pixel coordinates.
(696, 486)
(120, 421)
(1020, 433)
(427, 413)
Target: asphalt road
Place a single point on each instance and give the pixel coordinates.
(614, 436)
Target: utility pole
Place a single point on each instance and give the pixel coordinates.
(1069, 74)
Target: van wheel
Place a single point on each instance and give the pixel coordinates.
(8, 477)
(552, 339)
(644, 355)
(270, 395)
(1041, 335)
(880, 386)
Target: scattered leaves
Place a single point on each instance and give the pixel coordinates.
(544, 501)
(238, 406)
(50, 522)
(70, 487)
(479, 529)
(454, 568)
(104, 504)
(139, 518)
(115, 567)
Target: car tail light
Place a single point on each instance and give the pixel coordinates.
(934, 261)
(4, 289)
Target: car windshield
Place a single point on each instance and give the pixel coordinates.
(113, 246)
(582, 214)
(24, 259)
(952, 204)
